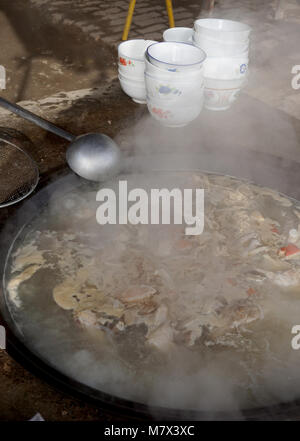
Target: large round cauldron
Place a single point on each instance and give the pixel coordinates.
(263, 169)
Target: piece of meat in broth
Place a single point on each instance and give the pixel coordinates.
(240, 312)
(285, 279)
(232, 316)
(162, 337)
(136, 294)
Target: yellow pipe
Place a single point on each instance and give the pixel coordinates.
(170, 13)
(128, 19)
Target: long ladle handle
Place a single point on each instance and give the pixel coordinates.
(14, 108)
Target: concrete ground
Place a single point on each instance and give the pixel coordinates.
(60, 57)
(42, 57)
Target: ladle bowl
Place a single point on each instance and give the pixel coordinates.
(92, 156)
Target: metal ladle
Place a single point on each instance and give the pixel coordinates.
(93, 156)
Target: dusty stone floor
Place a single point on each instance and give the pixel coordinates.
(42, 58)
(61, 63)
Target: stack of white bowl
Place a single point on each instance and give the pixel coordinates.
(174, 82)
(226, 44)
(131, 68)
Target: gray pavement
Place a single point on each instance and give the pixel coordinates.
(104, 19)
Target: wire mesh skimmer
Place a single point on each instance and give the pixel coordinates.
(19, 173)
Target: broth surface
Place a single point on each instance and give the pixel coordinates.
(148, 313)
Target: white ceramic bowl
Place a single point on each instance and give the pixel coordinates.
(136, 72)
(174, 56)
(131, 57)
(135, 75)
(135, 89)
(197, 36)
(175, 91)
(215, 48)
(226, 68)
(173, 116)
(223, 30)
(188, 75)
(134, 80)
(179, 34)
(221, 94)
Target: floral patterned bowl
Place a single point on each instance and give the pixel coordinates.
(131, 57)
(171, 115)
(177, 91)
(221, 94)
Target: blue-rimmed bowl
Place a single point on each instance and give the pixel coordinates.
(175, 57)
(165, 74)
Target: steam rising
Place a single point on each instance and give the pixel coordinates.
(217, 141)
